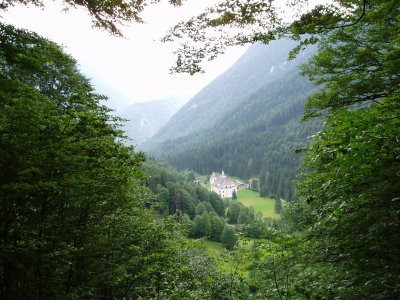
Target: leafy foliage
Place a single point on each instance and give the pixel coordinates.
(74, 221)
(230, 23)
(107, 15)
(348, 212)
(66, 186)
(73, 199)
(278, 205)
(353, 183)
(229, 238)
(353, 192)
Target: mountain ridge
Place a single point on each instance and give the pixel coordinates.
(225, 88)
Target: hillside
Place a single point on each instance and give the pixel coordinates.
(245, 122)
(257, 67)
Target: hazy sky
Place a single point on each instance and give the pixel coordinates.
(130, 69)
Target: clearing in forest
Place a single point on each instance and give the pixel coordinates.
(253, 199)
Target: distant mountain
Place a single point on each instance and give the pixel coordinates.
(245, 122)
(146, 118)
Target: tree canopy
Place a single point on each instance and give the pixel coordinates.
(107, 15)
(230, 23)
(352, 186)
(225, 24)
(67, 187)
(73, 200)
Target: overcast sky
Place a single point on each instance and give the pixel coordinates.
(130, 69)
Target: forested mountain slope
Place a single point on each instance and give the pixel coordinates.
(258, 66)
(146, 118)
(246, 122)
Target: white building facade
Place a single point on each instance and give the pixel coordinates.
(222, 185)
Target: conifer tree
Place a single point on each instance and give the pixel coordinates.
(234, 196)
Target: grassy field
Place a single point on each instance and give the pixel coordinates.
(265, 205)
(251, 198)
(213, 247)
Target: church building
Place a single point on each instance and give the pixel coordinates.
(222, 185)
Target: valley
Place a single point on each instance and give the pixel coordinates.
(279, 179)
(246, 122)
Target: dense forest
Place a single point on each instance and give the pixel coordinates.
(85, 217)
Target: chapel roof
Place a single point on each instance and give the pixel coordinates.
(223, 181)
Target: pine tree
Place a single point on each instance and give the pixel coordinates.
(234, 196)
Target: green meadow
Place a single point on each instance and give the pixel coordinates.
(213, 247)
(253, 199)
(229, 262)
